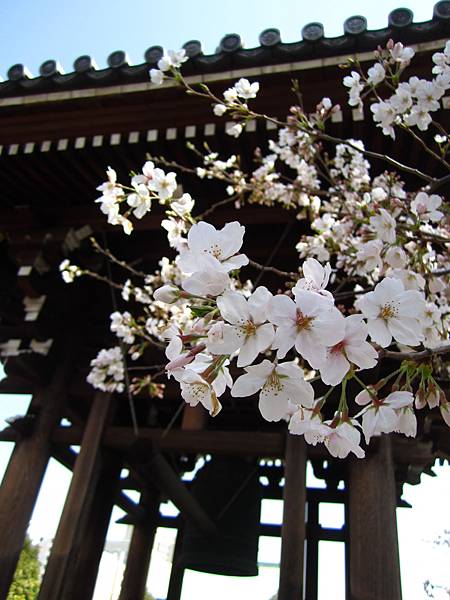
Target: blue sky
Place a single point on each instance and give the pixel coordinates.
(32, 31)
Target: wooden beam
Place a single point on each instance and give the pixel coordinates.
(229, 443)
(154, 468)
(59, 578)
(140, 549)
(263, 444)
(374, 559)
(26, 469)
(293, 529)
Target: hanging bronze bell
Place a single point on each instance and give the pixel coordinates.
(230, 492)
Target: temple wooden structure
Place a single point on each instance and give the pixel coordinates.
(58, 133)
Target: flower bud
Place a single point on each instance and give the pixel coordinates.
(167, 293)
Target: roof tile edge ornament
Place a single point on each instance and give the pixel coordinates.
(442, 10)
(270, 37)
(355, 25)
(400, 18)
(313, 32)
(153, 54)
(193, 48)
(230, 43)
(84, 63)
(51, 67)
(118, 59)
(18, 72)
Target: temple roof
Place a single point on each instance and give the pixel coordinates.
(231, 54)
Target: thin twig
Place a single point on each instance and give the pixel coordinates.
(415, 356)
(212, 208)
(108, 254)
(103, 279)
(384, 157)
(122, 349)
(286, 274)
(426, 148)
(173, 419)
(350, 294)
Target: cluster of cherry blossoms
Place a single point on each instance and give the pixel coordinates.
(371, 282)
(413, 101)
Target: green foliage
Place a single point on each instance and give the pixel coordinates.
(148, 596)
(26, 582)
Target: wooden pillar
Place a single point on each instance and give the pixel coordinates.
(26, 469)
(177, 571)
(140, 549)
(374, 559)
(293, 529)
(60, 577)
(92, 541)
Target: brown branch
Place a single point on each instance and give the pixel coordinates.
(286, 274)
(110, 256)
(384, 157)
(212, 208)
(415, 356)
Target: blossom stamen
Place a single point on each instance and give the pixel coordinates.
(303, 322)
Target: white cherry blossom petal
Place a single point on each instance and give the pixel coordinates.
(379, 332)
(335, 368)
(233, 307)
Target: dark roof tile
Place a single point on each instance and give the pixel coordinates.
(231, 54)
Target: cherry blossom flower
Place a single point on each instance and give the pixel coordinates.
(410, 279)
(182, 206)
(310, 323)
(376, 74)
(315, 278)
(343, 439)
(369, 255)
(210, 278)
(219, 109)
(140, 201)
(223, 245)
(424, 206)
(195, 389)
(245, 89)
(392, 312)
(156, 76)
(384, 226)
(168, 293)
(246, 329)
(107, 373)
(280, 384)
(163, 184)
(353, 81)
(176, 228)
(396, 257)
(122, 326)
(69, 272)
(401, 54)
(445, 411)
(234, 130)
(384, 115)
(309, 424)
(352, 348)
(407, 422)
(381, 415)
(172, 58)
